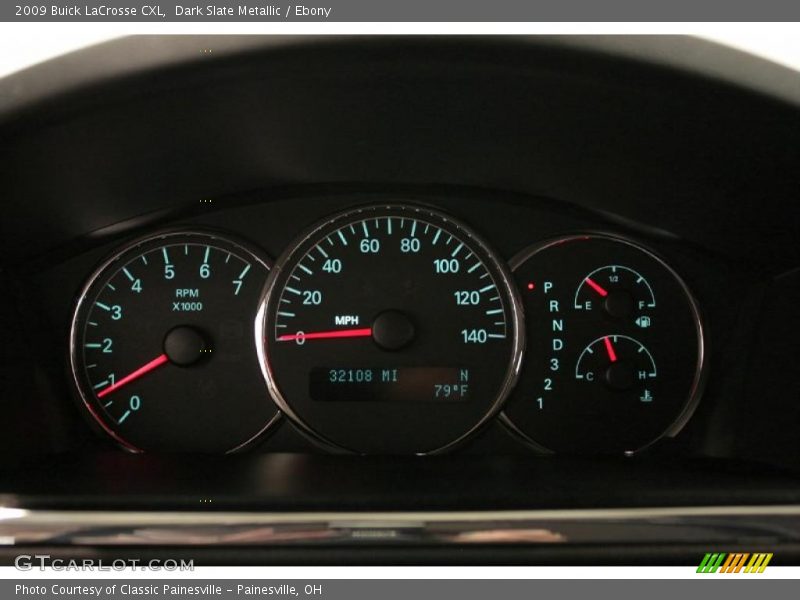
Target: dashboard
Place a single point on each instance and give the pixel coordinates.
(521, 298)
(388, 327)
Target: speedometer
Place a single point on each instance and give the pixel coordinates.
(390, 329)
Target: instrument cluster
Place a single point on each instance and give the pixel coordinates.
(386, 328)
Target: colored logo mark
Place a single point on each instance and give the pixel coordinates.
(734, 563)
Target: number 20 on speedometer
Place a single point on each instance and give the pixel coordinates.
(390, 329)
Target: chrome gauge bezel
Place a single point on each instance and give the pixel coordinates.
(288, 257)
(699, 379)
(75, 360)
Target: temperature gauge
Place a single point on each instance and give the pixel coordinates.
(620, 363)
(615, 347)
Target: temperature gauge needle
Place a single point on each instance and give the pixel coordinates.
(322, 335)
(596, 287)
(143, 370)
(612, 354)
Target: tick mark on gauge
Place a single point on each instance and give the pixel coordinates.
(306, 269)
(486, 288)
(341, 237)
(293, 290)
(103, 306)
(473, 267)
(457, 250)
(245, 271)
(436, 237)
(128, 274)
(321, 251)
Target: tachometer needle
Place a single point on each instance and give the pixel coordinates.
(321, 335)
(144, 369)
(612, 354)
(596, 287)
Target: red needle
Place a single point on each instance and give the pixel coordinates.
(612, 355)
(153, 364)
(594, 285)
(321, 335)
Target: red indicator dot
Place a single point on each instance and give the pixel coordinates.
(531, 286)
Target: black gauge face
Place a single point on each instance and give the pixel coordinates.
(162, 346)
(615, 357)
(390, 329)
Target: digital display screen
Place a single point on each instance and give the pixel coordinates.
(392, 384)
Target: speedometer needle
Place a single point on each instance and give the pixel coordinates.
(321, 335)
(144, 369)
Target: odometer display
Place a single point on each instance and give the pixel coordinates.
(408, 384)
(162, 349)
(390, 329)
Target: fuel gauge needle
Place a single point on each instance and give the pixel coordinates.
(596, 287)
(143, 370)
(612, 354)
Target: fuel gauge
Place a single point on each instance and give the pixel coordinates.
(615, 347)
(618, 290)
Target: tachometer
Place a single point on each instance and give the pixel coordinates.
(390, 329)
(162, 351)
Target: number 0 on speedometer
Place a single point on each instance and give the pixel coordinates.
(390, 329)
